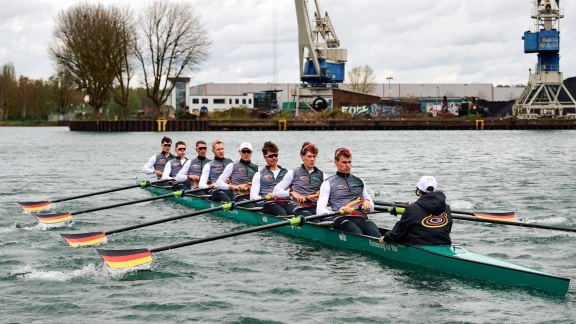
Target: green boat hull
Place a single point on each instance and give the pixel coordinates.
(450, 259)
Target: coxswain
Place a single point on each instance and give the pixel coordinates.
(428, 221)
(347, 193)
(174, 166)
(303, 182)
(212, 170)
(156, 163)
(237, 176)
(192, 169)
(266, 179)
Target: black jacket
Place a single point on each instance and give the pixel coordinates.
(428, 221)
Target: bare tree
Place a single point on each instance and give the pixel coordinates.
(127, 69)
(173, 41)
(61, 89)
(88, 44)
(362, 79)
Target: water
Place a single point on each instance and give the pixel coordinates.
(267, 277)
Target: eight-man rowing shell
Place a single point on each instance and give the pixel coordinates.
(450, 259)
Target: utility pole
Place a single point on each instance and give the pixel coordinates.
(389, 89)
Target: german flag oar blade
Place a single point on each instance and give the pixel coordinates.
(34, 205)
(120, 259)
(84, 239)
(53, 218)
(505, 217)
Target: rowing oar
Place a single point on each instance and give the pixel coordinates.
(503, 217)
(62, 217)
(121, 259)
(86, 239)
(39, 205)
(400, 210)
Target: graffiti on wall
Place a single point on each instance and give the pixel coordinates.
(374, 110)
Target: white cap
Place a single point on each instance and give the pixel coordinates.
(427, 181)
(245, 145)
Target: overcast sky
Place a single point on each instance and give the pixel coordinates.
(413, 41)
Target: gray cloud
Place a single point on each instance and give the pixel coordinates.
(415, 41)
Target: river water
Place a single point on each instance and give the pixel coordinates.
(267, 277)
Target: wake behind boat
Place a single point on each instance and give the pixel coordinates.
(451, 259)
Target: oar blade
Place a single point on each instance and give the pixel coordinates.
(504, 217)
(84, 239)
(122, 259)
(33, 206)
(53, 218)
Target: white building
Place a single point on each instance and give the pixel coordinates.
(223, 96)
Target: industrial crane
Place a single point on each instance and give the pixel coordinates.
(542, 96)
(321, 60)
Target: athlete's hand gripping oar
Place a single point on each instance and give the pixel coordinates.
(39, 205)
(62, 217)
(120, 259)
(86, 239)
(504, 217)
(400, 210)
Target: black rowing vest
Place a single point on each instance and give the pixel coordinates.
(267, 180)
(345, 190)
(161, 161)
(306, 183)
(216, 168)
(176, 166)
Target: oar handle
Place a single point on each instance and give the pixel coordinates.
(196, 213)
(106, 191)
(175, 194)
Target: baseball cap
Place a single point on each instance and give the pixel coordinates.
(245, 145)
(427, 181)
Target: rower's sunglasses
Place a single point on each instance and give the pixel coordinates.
(271, 156)
(342, 151)
(202, 148)
(167, 144)
(181, 149)
(246, 151)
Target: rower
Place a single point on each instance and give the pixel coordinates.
(237, 176)
(192, 169)
(428, 221)
(347, 193)
(174, 166)
(156, 163)
(264, 181)
(304, 182)
(212, 170)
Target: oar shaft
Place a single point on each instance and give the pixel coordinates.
(169, 219)
(556, 228)
(123, 204)
(244, 231)
(104, 191)
(383, 203)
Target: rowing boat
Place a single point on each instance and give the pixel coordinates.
(451, 259)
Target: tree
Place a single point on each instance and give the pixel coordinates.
(61, 90)
(362, 79)
(89, 44)
(121, 94)
(8, 86)
(173, 41)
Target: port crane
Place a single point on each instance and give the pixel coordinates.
(322, 61)
(545, 95)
